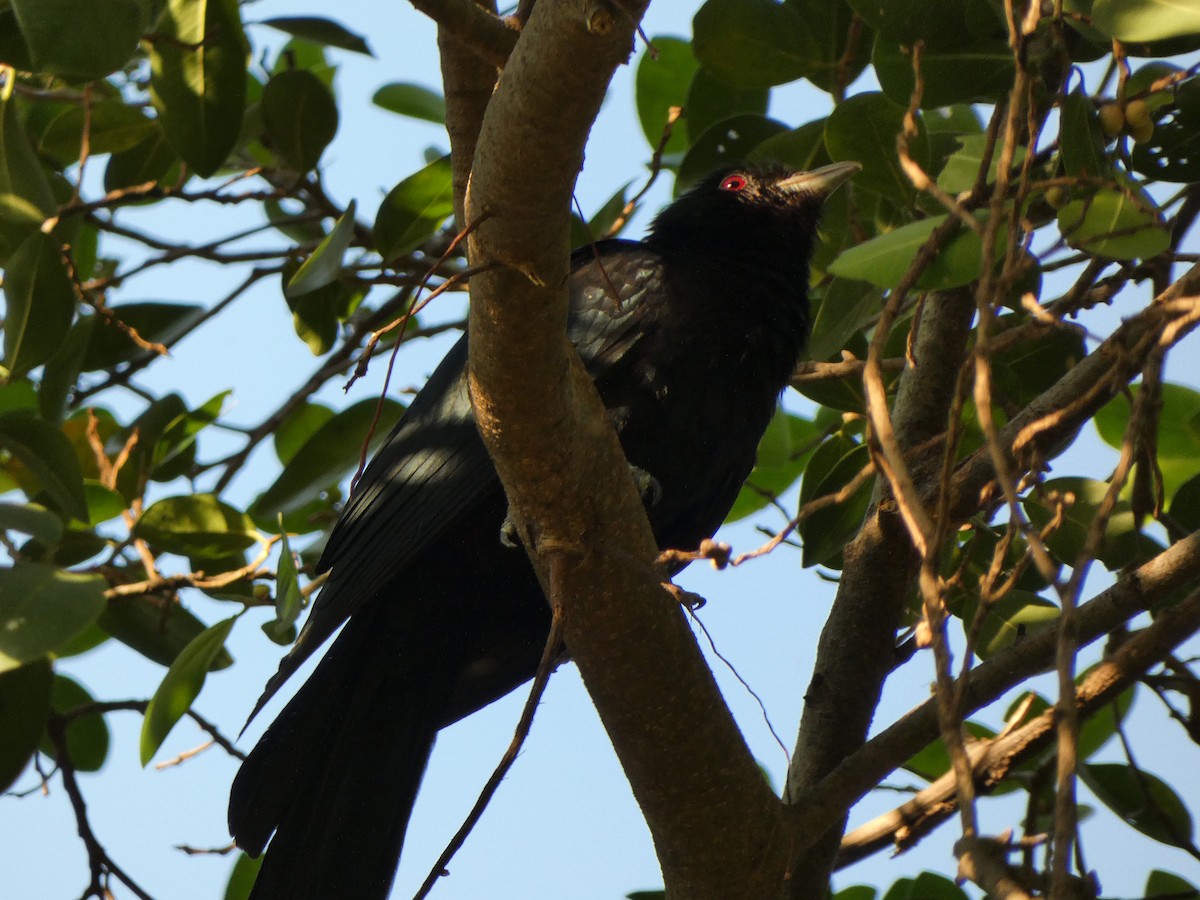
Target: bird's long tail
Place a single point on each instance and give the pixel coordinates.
(336, 775)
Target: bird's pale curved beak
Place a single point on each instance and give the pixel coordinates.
(823, 181)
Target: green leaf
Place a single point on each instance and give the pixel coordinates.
(301, 117)
(1112, 223)
(978, 72)
(41, 303)
(752, 43)
(196, 525)
(155, 627)
(326, 457)
(727, 142)
(87, 737)
(831, 468)
(1173, 153)
(1121, 545)
(962, 168)
(24, 705)
(81, 41)
(933, 761)
(1144, 801)
(241, 879)
(662, 81)
(20, 172)
(846, 307)
(931, 886)
(412, 100)
(1097, 730)
(181, 686)
(32, 519)
(1146, 20)
(315, 313)
(112, 126)
(45, 451)
(856, 892)
(783, 452)
(198, 79)
(1015, 613)
(161, 323)
(827, 29)
(414, 209)
(710, 100)
(322, 31)
(863, 129)
(884, 260)
(288, 599)
(325, 264)
(174, 451)
(18, 220)
(297, 428)
(1081, 138)
(1168, 884)
(151, 159)
(42, 607)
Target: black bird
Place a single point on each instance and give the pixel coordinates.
(443, 615)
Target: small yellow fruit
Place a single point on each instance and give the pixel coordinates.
(1057, 196)
(1142, 133)
(1137, 114)
(1112, 119)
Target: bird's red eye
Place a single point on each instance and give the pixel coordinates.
(733, 183)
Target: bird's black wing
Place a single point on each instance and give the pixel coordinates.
(433, 469)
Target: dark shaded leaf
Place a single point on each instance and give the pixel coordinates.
(832, 466)
(977, 72)
(752, 43)
(1142, 800)
(81, 41)
(47, 454)
(151, 159)
(87, 736)
(711, 100)
(20, 172)
(725, 143)
(863, 129)
(24, 705)
(112, 127)
(161, 323)
(322, 31)
(301, 117)
(846, 307)
(40, 300)
(155, 627)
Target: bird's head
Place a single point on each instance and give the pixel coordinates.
(749, 209)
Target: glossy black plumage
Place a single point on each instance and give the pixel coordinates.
(443, 618)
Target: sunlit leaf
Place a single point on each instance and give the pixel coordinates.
(325, 264)
(198, 79)
(181, 686)
(195, 525)
(414, 209)
(412, 100)
(48, 456)
(662, 81)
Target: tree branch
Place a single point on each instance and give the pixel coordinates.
(473, 26)
(707, 805)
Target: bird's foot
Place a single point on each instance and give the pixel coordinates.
(648, 487)
(686, 599)
(510, 535)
